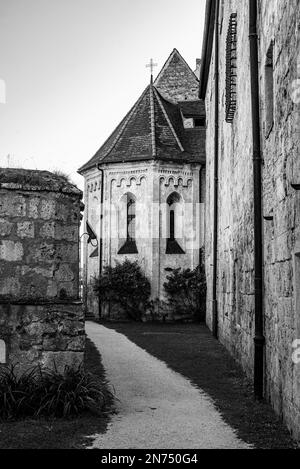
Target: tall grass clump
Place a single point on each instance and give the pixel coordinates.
(46, 393)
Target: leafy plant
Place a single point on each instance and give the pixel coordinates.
(16, 393)
(44, 392)
(124, 284)
(186, 291)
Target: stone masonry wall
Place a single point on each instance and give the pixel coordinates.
(41, 316)
(176, 82)
(235, 203)
(279, 22)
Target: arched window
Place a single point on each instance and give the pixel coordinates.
(173, 203)
(2, 352)
(129, 246)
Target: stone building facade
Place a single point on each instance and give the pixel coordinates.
(155, 160)
(279, 73)
(41, 315)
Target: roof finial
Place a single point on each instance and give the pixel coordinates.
(151, 65)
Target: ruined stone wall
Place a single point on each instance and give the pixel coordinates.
(40, 312)
(279, 21)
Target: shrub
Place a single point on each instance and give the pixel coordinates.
(126, 285)
(186, 290)
(46, 393)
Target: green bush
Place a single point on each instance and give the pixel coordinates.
(126, 285)
(46, 393)
(186, 290)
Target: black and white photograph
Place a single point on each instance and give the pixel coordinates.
(149, 229)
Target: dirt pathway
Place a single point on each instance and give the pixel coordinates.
(157, 408)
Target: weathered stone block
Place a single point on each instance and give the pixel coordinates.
(33, 207)
(25, 229)
(66, 233)
(47, 230)
(47, 209)
(2, 351)
(9, 286)
(11, 251)
(64, 273)
(61, 360)
(5, 227)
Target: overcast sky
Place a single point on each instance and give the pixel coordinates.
(73, 68)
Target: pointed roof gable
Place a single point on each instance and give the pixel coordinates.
(177, 81)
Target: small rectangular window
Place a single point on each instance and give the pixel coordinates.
(269, 90)
(200, 122)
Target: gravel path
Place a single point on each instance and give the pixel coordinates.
(156, 408)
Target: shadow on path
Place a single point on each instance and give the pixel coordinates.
(192, 351)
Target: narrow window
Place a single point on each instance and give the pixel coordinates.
(172, 224)
(130, 219)
(172, 244)
(269, 90)
(2, 352)
(231, 69)
(129, 247)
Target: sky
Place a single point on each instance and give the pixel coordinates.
(71, 69)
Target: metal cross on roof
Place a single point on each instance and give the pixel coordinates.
(151, 65)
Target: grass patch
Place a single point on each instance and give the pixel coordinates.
(29, 177)
(62, 175)
(55, 433)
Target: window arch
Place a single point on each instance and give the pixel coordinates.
(173, 202)
(129, 206)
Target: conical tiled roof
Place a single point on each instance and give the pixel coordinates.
(153, 128)
(147, 132)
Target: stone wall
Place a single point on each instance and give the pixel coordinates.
(235, 202)
(279, 22)
(279, 25)
(41, 318)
